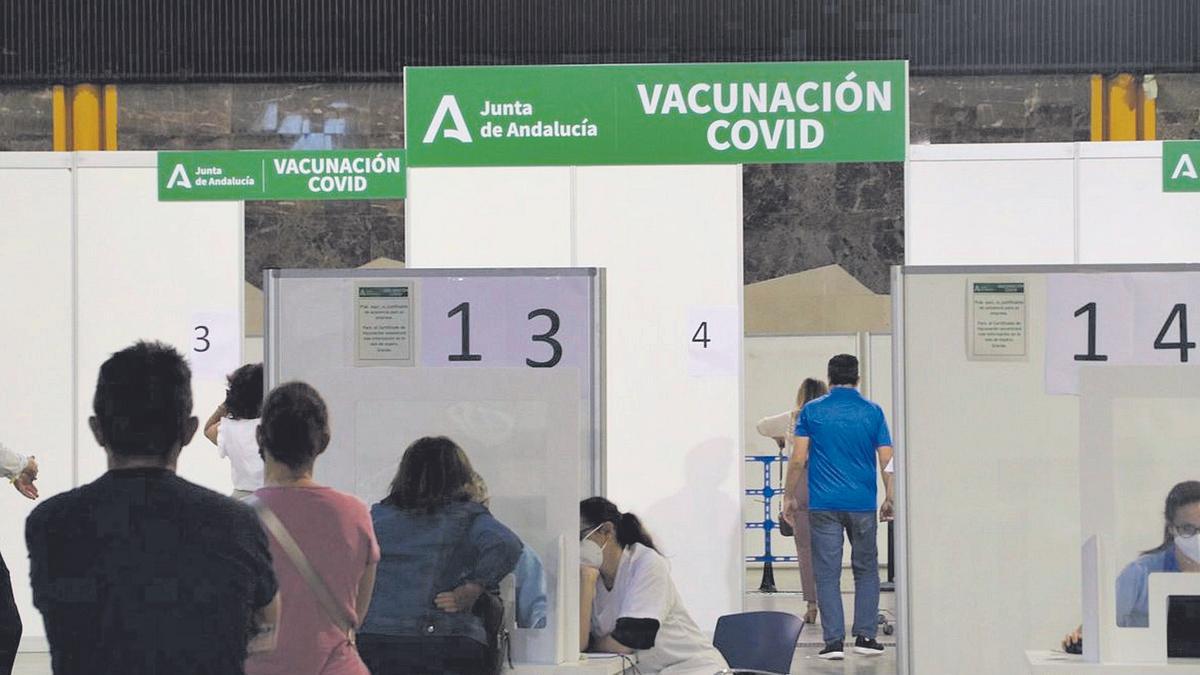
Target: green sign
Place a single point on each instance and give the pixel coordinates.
(1181, 159)
(853, 111)
(1000, 288)
(280, 175)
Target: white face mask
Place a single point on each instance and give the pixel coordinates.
(1189, 546)
(591, 554)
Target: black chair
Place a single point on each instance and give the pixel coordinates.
(758, 642)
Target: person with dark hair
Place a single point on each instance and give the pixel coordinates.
(628, 603)
(321, 541)
(781, 428)
(232, 428)
(140, 571)
(1178, 552)
(442, 551)
(840, 441)
(21, 471)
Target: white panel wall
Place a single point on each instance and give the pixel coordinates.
(1046, 203)
(992, 467)
(35, 346)
(990, 204)
(475, 217)
(1124, 215)
(145, 268)
(670, 239)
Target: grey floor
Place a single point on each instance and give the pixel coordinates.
(788, 599)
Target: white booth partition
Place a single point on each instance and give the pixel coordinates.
(522, 398)
(669, 238)
(89, 263)
(1014, 456)
(1046, 203)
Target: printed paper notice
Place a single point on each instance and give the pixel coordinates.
(998, 326)
(384, 325)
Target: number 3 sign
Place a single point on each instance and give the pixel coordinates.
(1119, 319)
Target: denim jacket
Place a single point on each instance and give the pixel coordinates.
(429, 553)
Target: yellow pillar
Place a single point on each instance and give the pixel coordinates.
(1123, 102)
(62, 119)
(85, 116)
(1098, 107)
(110, 117)
(1123, 108)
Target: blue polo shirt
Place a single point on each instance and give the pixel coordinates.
(844, 431)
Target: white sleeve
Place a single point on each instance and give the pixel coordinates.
(222, 437)
(11, 463)
(647, 593)
(775, 426)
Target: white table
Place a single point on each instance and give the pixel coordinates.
(1053, 663)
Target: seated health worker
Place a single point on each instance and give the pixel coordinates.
(441, 550)
(232, 427)
(628, 603)
(1179, 552)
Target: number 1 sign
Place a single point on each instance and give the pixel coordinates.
(1121, 319)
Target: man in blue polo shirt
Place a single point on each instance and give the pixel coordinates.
(841, 440)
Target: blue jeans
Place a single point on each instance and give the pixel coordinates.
(827, 529)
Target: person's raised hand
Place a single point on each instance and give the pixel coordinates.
(24, 480)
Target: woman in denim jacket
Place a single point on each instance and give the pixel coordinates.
(441, 550)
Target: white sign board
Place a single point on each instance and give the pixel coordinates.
(997, 329)
(384, 324)
(1102, 319)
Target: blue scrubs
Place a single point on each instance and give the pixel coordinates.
(1133, 601)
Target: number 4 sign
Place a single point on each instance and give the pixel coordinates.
(714, 339)
(1095, 320)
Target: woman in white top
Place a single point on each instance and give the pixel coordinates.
(628, 603)
(232, 428)
(782, 428)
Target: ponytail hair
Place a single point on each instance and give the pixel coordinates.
(810, 389)
(1187, 492)
(596, 511)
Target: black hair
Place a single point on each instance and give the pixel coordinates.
(295, 424)
(810, 389)
(843, 370)
(596, 511)
(244, 395)
(434, 472)
(1187, 492)
(143, 400)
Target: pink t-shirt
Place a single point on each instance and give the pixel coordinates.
(334, 531)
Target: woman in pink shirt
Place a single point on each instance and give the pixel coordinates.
(332, 529)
